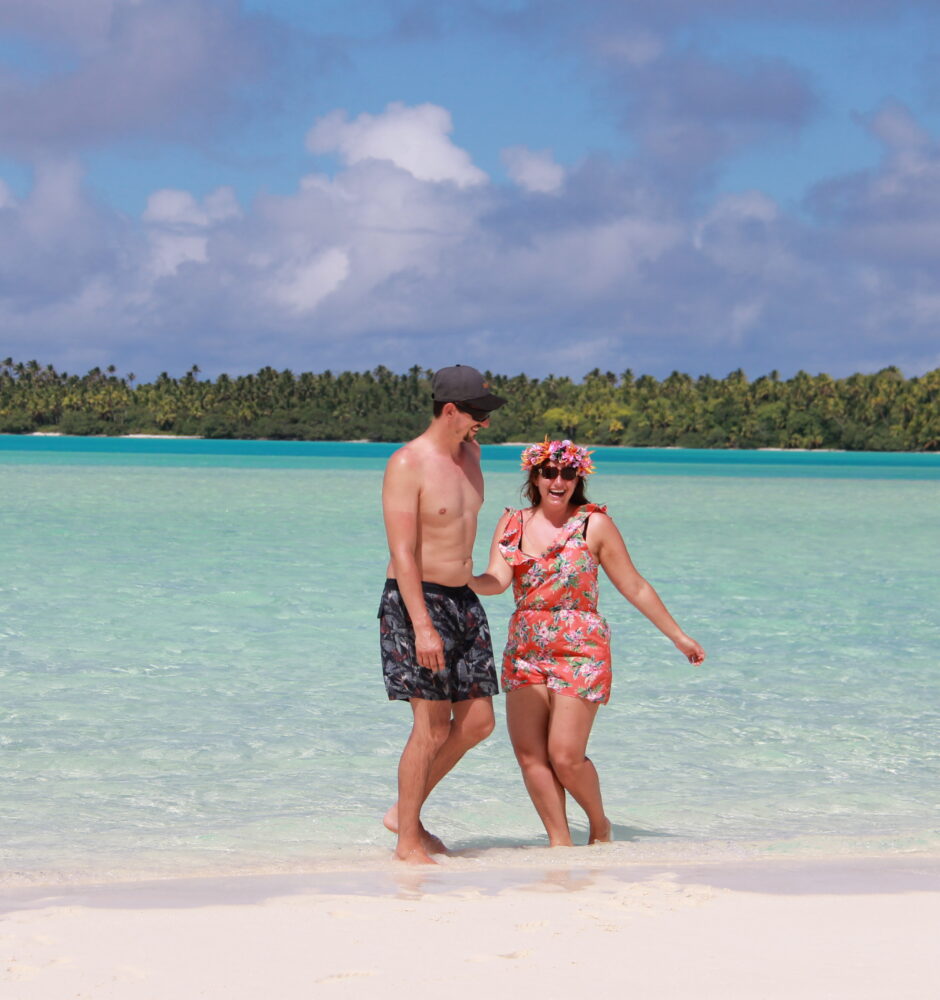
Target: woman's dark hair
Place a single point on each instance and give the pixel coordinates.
(530, 490)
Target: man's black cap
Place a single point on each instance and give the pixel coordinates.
(463, 384)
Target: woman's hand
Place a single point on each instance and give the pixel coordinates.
(486, 584)
(690, 649)
(498, 574)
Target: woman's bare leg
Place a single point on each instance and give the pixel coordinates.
(570, 725)
(528, 714)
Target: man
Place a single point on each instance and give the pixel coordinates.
(436, 649)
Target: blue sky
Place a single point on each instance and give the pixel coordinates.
(524, 185)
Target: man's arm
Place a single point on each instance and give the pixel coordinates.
(401, 493)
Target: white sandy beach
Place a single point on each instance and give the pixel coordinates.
(770, 929)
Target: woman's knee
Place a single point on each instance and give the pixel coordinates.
(531, 758)
(566, 761)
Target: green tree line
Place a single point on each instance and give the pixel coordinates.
(879, 412)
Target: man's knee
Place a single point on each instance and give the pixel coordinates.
(478, 723)
(431, 724)
(481, 728)
(432, 734)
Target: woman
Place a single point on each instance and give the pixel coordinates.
(556, 667)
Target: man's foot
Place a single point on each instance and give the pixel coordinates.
(415, 856)
(430, 843)
(604, 836)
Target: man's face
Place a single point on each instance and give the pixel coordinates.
(475, 426)
(471, 420)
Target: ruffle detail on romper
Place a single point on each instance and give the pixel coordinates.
(509, 543)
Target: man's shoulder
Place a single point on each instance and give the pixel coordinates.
(407, 463)
(407, 456)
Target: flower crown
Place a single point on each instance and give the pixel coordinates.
(564, 454)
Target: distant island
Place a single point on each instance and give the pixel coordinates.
(880, 412)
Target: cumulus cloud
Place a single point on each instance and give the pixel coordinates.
(305, 285)
(689, 111)
(135, 68)
(377, 265)
(178, 225)
(417, 139)
(82, 23)
(405, 249)
(890, 213)
(54, 240)
(534, 170)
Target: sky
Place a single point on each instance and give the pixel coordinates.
(538, 186)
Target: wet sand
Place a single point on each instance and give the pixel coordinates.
(859, 928)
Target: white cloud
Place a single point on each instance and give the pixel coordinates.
(636, 47)
(534, 170)
(302, 287)
(897, 128)
(127, 68)
(376, 265)
(177, 225)
(413, 138)
(170, 205)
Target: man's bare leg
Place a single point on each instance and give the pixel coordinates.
(430, 729)
(472, 722)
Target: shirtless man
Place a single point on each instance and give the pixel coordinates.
(436, 649)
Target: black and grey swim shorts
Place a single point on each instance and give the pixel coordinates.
(469, 669)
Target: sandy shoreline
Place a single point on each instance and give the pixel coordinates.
(497, 444)
(860, 928)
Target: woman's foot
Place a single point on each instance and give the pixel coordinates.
(605, 835)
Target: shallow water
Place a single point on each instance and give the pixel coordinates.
(188, 656)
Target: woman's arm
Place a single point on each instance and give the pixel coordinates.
(498, 574)
(609, 549)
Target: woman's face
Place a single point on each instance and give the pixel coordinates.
(556, 491)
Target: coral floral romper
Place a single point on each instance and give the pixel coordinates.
(556, 636)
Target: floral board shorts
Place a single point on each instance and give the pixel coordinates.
(469, 668)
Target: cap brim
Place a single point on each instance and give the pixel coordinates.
(487, 402)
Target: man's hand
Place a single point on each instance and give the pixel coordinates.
(429, 647)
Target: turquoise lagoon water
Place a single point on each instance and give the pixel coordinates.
(190, 676)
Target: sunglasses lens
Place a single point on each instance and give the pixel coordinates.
(471, 411)
(550, 472)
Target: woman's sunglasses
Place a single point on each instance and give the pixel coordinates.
(568, 473)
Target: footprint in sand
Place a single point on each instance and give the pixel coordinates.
(490, 958)
(21, 973)
(340, 976)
